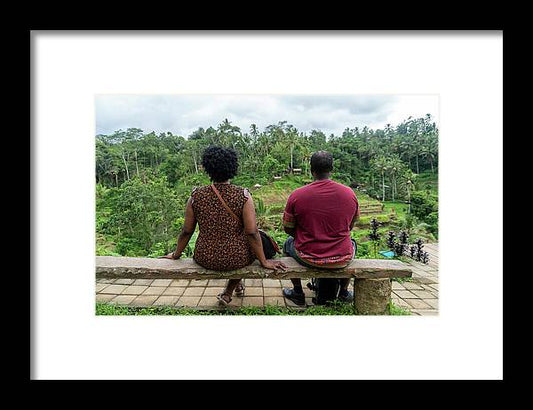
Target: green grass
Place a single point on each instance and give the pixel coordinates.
(400, 208)
(337, 308)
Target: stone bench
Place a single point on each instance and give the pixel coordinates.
(372, 286)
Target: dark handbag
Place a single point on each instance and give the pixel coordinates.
(270, 247)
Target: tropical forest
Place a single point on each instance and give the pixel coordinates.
(144, 179)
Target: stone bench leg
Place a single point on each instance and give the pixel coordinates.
(372, 296)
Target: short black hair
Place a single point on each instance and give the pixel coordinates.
(220, 163)
(321, 162)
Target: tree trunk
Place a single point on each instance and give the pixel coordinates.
(126, 165)
(136, 164)
(417, 169)
(383, 182)
(292, 163)
(195, 163)
(393, 187)
(431, 162)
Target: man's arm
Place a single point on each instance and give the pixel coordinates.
(356, 215)
(289, 221)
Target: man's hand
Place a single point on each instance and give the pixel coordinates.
(168, 256)
(274, 265)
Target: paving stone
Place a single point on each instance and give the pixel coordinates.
(270, 283)
(105, 280)
(193, 291)
(286, 283)
(161, 282)
(275, 301)
(404, 294)
(272, 292)
(290, 303)
(124, 281)
(434, 303)
(166, 301)
(402, 303)
(154, 290)
(143, 282)
(123, 299)
(236, 302)
(173, 291)
(179, 282)
(411, 285)
(199, 282)
(114, 289)
(253, 291)
(423, 280)
(418, 304)
(188, 301)
(217, 282)
(425, 312)
(134, 290)
(101, 286)
(212, 291)
(252, 301)
(397, 285)
(208, 301)
(144, 300)
(253, 282)
(104, 298)
(423, 294)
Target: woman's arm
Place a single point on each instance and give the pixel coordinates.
(252, 233)
(189, 225)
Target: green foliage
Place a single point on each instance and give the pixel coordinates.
(144, 215)
(143, 180)
(336, 308)
(424, 206)
(397, 310)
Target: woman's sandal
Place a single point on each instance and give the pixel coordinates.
(239, 290)
(223, 299)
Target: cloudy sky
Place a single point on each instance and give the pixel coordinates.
(182, 114)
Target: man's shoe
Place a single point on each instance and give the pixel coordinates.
(346, 296)
(298, 298)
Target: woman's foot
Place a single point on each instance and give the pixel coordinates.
(239, 290)
(224, 299)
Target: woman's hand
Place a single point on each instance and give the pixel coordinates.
(274, 265)
(169, 256)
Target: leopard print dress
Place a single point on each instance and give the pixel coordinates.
(221, 244)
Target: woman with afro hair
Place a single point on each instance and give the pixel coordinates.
(228, 239)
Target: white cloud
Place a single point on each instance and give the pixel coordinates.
(182, 114)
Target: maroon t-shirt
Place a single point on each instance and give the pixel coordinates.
(321, 213)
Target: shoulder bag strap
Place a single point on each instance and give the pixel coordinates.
(215, 190)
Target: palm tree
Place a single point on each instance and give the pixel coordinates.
(394, 167)
(380, 165)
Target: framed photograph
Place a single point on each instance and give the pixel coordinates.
(172, 169)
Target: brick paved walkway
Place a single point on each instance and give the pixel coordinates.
(420, 295)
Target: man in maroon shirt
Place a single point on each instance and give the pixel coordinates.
(319, 218)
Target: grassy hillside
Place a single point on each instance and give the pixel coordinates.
(270, 199)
